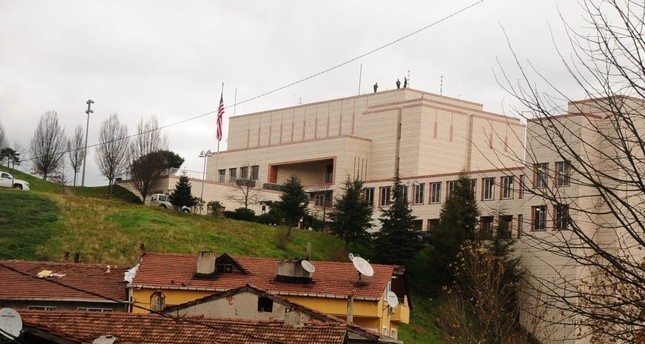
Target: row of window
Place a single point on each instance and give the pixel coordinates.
(562, 175)
(539, 221)
(488, 191)
(244, 173)
(88, 309)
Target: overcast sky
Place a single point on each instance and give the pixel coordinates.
(170, 58)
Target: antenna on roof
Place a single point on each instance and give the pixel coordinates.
(308, 266)
(363, 267)
(10, 323)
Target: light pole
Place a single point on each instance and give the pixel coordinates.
(204, 155)
(87, 126)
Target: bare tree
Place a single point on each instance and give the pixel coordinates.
(248, 188)
(48, 145)
(75, 151)
(3, 137)
(148, 162)
(589, 168)
(112, 152)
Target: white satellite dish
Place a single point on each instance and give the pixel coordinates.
(308, 266)
(392, 299)
(10, 323)
(363, 266)
(351, 256)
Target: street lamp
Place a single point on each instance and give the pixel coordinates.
(204, 155)
(87, 126)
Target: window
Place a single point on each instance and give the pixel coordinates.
(93, 309)
(520, 224)
(232, 174)
(404, 192)
(385, 197)
(541, 172)
(221, 176)
(562, 173)
(419, 190)
(417, 225)
(255, 172)
(393, 333)
(522, 186)
(435, 192)
(506, 226)
(369, 195)
(486, 227)
(507, 187)
(244, 171)
(265, 304)
(432, 224)
(561, 217)
(42, 308)
(488, 188)
(539, 218)
(473, 186)
(450, 187)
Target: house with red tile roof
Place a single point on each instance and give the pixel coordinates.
(63, 286)
(72, 327)
(250, 303)
(334, 288)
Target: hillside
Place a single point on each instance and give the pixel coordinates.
(46, 222)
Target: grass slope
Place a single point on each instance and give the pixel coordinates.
(49, 220)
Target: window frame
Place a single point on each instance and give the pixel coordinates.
(541, 175)
(562, 173)
(538, 218)
(488, 189)
(435, 191)
(384, 196)
(368, 193)
(561, 217)
(419, 193)
(506, 187)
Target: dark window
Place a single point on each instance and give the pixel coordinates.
(385, 197)
(562, 173)
(265, 304)
(369, 195)
(232, 174)
(561, 217)
(539, 218)
(507, 187)
(435, 192)
(221, 174)
(419, 190)
(244, 171)
(541, 172)
(489, 188)
(486, 227)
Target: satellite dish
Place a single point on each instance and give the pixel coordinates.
(10, 323)
(363, 266)
(392, 299)
(308, 266)
(351, 257)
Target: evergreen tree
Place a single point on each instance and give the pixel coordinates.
(182, 194)
(352, 214)
(458, 221)
(396, 242)
(294, 201)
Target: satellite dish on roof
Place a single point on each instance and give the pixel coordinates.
(351, 256)
(392, 299)
(307, 266)
(363, 266)
(10, 323)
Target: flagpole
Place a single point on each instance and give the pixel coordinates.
(220, 139)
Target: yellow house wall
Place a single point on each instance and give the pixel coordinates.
(141, 297)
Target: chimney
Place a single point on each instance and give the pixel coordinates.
(350, 308)
(142, 249)
(77, 257)
(291, 271)
(205, 263)
(308, 250)
(67, 256)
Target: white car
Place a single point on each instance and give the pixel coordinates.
(162, 200)
(8, 181)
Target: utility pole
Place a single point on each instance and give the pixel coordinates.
(87, 126)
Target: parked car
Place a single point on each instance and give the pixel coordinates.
(163, 200)
(8, 181)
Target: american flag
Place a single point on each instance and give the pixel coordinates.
(220, 114)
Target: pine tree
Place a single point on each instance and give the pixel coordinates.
(182, 194)
(458, 221)
(294, 201)
(352, 214)
(396, 242)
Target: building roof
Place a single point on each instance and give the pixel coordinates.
(330, 280)
(19, 281)
(152, 328)
(366, 334)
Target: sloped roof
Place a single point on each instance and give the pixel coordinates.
(331, 279)
(319, 316)
(132, 328)
(19, 281)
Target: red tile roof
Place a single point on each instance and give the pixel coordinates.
(331, 279)
(18, 281)
(146, 328)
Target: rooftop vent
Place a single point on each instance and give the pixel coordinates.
(205, 264)
(292, 271)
